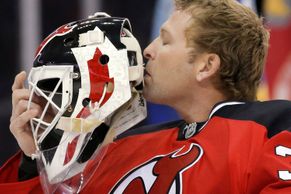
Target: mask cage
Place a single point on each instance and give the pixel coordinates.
(52, 86)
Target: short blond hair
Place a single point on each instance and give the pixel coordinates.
(237, 35)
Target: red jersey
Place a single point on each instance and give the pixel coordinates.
(241, 148)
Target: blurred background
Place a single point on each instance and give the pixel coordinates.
(24, 23)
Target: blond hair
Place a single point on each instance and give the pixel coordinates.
(237, 35)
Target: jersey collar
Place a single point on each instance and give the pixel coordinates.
(188, 130)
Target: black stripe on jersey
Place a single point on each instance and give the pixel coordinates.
(274, 115)
(151, 128)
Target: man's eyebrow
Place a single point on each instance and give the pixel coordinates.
(164, 32)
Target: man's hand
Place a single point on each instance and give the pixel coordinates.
(19, 121)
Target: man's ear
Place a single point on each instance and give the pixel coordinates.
(209, 67)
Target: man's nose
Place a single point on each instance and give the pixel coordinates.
(149, 51)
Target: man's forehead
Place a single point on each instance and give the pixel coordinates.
(177, 20)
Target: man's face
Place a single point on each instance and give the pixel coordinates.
(169, 75)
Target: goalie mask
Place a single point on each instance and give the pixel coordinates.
(86, 76)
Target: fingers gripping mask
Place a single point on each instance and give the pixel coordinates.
(85, 78)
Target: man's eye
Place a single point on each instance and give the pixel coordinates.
(165, 43)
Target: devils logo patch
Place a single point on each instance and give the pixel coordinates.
(161, 174)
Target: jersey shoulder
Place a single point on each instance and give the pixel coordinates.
(151, 128)
(274, 115)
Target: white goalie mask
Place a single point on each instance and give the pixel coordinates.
(87, 77)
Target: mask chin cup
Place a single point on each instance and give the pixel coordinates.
(71, 173)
